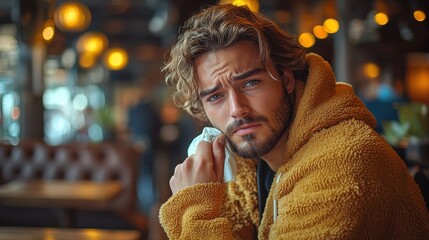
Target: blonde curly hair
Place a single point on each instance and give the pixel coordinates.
(218, 27)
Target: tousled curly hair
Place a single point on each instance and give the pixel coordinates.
(218, 27)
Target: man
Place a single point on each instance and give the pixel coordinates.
(309, 162)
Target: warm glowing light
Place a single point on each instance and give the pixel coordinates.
(116, 58)
(320, 32)
(306, 39)
(87, 60)
(418, 86)
(371, 70)
(251, 4)
(72, 16)
(48, 33)
(417, 76)
(331, 25)
(49, 234)
(381, 18)
(91, 233)
(92, 42)
(419, 15)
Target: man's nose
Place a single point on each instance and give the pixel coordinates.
(238, 105)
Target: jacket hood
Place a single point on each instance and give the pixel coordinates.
(321, 103)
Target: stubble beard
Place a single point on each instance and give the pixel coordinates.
(250, 147)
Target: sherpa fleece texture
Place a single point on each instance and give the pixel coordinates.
(340, 180)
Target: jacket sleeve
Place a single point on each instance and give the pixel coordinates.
(195, 213)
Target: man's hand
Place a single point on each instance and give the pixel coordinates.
(205, 166)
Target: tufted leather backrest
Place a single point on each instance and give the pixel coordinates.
(33, 160)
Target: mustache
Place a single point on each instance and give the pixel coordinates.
(237, 123)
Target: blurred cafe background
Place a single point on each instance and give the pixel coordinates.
(89, 137)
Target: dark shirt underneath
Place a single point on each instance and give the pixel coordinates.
(264, 178)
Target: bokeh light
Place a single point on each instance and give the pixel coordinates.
(87, 60)
(92, 42)
(116, 58)
(320, 32)
(306, 39)
(48, 31)
(72, 16)
(331, 25)
(381, 18)
(371, 70)
(419, 15)
(251, 4)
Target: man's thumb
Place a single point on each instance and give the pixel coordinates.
(219, 155)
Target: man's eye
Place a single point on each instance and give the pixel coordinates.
(214, 97)
(251, 83)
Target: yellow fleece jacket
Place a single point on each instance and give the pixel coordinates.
(340, 180)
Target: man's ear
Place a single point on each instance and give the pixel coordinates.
(289, 81)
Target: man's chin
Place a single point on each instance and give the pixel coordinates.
(250, 149)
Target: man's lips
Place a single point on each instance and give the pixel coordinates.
(246, 129)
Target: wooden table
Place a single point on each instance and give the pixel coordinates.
(65, 196)
(29, 233)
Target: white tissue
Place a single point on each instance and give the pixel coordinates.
(208, 135)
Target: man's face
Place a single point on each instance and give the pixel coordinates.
(242, 98)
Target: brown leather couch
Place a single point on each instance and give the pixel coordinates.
(35, 160)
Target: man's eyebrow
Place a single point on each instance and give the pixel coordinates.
(241, 76)
(209, 91)
(248, 73)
